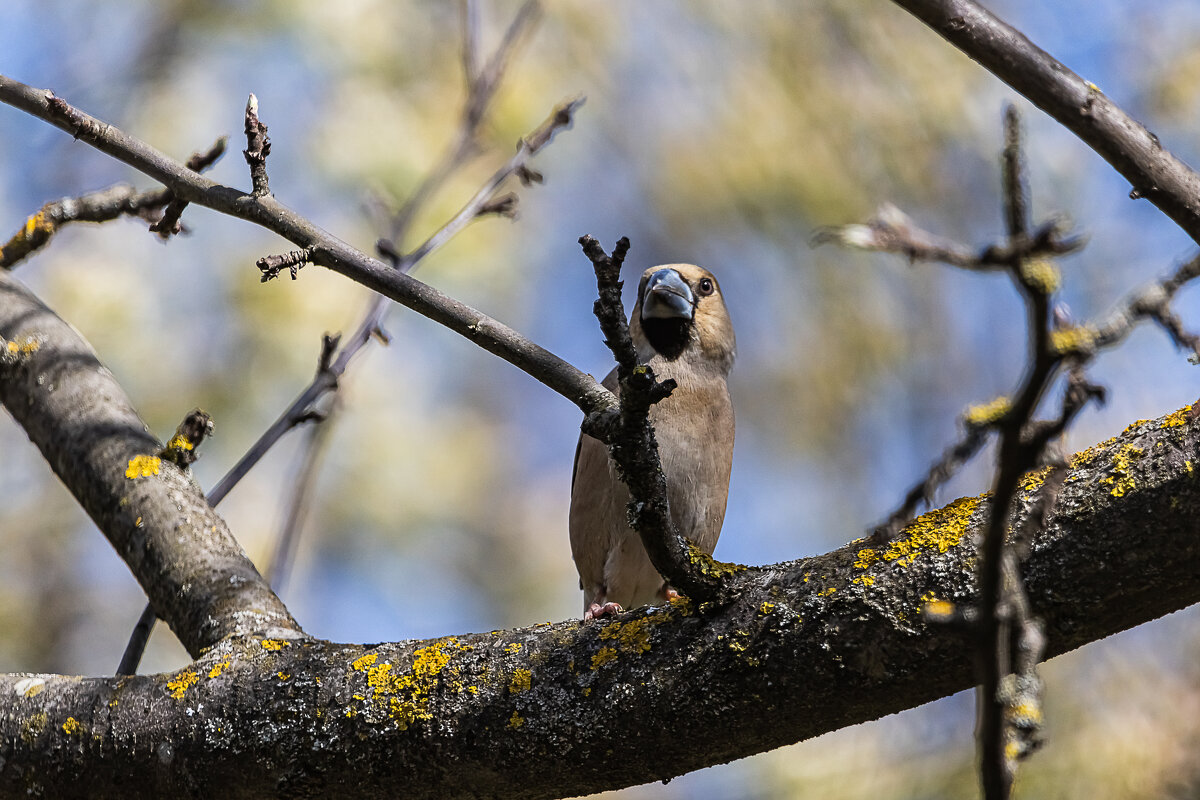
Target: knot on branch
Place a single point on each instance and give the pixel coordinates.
(182, 449)
(272, 265)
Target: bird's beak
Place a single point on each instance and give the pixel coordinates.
(667, 296)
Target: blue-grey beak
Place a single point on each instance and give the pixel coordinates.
(667, 296)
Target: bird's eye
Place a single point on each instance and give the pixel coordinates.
(706, 286)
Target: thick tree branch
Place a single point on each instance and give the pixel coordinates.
(180, 551)
(803, 648)
(329, 251)
(1079, 105)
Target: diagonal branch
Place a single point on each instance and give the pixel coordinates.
(153, 513)
(329, 251)
(1082, 108)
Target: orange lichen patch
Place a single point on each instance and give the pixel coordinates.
(987, 413)
(220, 667)
(935, 531)
(604, 655)
(182, 682)
(72, 727)
(274, 645)
(1120, 479)
(142, 467)
(522, 681)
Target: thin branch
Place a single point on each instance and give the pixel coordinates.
(1079, 105)
(121, 200)
(258, 147)
(495, 337)
(633, 447)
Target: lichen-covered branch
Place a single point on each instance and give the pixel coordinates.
(180, 551)
(802, 648)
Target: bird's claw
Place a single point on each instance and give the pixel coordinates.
(600, 610)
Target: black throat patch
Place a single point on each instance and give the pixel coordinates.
(668, 336)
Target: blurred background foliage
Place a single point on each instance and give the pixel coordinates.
(715, 132)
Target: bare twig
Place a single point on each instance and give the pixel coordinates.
(292, 261)
(258, 147)
(121, 200)
(629, 435)
(1079, 105)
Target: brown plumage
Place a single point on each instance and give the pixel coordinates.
(681, 328)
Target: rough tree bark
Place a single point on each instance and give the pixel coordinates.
(802, 647)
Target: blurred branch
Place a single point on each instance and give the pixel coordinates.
(122, 200)
(1078, 105)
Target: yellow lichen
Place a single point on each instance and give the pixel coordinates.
(1122, 460)
(72, 727)
(1041, 274)
(937, 530)
(827, 592)
(604, 656)
(515, 721)
(1024, 714)
(1074, 340)
(1032, 481)
(405, 695)
(987, 413)
(182, 682)
(33, 725)
(633, 637)
(220, 667)
(938, 609)
(587, 691)
(522, 681)
(142, 467)
(283, 676)
(274, 644)
(866, 559)
(709, 565)
(766, 608)
(1178, 418)
(514, 647)
(865, 580)
(179, 442)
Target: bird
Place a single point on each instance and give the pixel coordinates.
(681, 328)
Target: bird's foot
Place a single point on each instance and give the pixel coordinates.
(599, 610)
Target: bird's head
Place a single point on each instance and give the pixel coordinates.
(680, 313)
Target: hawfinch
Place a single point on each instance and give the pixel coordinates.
(681, 328)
